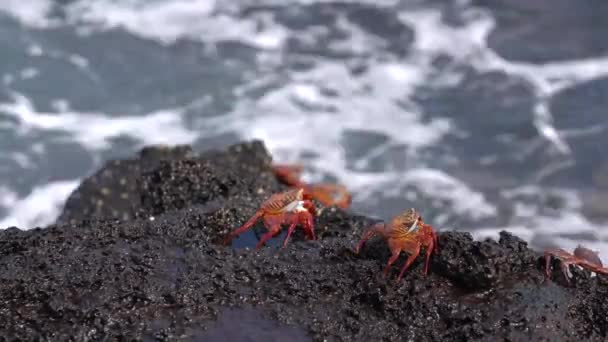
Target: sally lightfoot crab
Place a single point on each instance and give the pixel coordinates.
(406, 232)
(292, 207)
(326, 193)
(582, 256)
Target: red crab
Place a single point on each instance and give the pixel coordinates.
(290, 207)
(406, 232)
(582, 256)
(327, 194)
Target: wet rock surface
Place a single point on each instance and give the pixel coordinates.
(161, 274)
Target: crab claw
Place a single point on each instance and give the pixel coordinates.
(332, 194)
(289, 174)
(328, 194)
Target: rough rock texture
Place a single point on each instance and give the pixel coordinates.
(115, 190)
(160, 274)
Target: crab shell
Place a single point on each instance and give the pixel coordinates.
(409, 220)
(291, 201)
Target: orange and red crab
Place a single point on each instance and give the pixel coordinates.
(582, 256)
(291, 207)
(406, 232)
(327, 194)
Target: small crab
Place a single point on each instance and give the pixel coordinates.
(290, 207)
(406, 232)
(582, 256)
(327, 194)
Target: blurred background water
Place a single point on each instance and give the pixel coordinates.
(484, 114)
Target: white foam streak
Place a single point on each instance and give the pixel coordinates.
(95, 130)
(280, 120)
(33, 13)
(561, 228)
(39, 208)
(556, 230)
(439, 185)
(167, 21)
(8, 198)
(468, 45)
(434, 37)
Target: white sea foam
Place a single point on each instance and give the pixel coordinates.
(37, 209)
(440, 185)
(545, 227)
(548, 229)
(94, 130)
(33, 13)
(167, 21)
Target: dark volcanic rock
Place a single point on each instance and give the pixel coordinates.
(241, 173)
(114, 191)
(164, 179)
(486, 262)
(169, 279)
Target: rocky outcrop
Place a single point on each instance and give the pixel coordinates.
(136, 255)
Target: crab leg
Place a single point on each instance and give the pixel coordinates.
(289, 232)
(565, 258)
(308, 205)
(265, 238)
(409, 261)
(590, 265)
(244, 227)
(597, 269)
(429, 250)
(429, 228)
(393, 258)
(431, 244)
(376, 229)
(269, 235)
(565, 266)
(273, 225)
(547, 265)
(436, 238)
(306, 219)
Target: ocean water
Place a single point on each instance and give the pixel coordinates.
(485, 115)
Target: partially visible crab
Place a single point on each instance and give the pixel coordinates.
(327, 194)
(582, 256)
(406, 232)
(291, 207)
